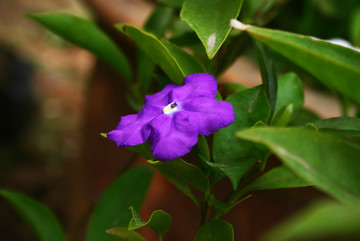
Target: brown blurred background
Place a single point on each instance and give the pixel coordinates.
(57, 98)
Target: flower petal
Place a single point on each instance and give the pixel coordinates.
(208, 115)
(172, 136)
(133, 130)
(161, 98)
(196, 85)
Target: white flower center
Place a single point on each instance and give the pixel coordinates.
(170, 108)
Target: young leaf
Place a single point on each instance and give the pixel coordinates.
(278, 177)
(349, 126)
(39, 218)
(87, 35)
(128, 189)
(175, 62)
(290, 91)
(325, 219)
(159, 221)
(210, 20)
(182, 175)
(329, 163)
(123, 233)
(283, 117)
(215, 230)
(230, 153)
(334, 65)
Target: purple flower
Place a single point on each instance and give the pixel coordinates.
(173, 118)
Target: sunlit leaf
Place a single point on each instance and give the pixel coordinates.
(329, 163)
(335, 66)
(210, 20)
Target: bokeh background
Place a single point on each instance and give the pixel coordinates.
(56, 99)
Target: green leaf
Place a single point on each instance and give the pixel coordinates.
(215, 230)
(278, 177)
(349, 126)
(210, 20)
(290, 91)
(157, 24)
(187, 63)
(175, 3)
(268, 74)
(128, 189)
(87, 35)
(124, 234)
(159, 20)
(182, 175)
(325, 219)
(143, 149)
(329, 163)
(38, 217)
(355, 27)
(230, 153)
(175, 62)
(228, 89)
(334, 65)
(283, 117)
(159, 221)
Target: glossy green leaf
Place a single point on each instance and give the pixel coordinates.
(182, 175)
(129, 189)
(123, 234)
(87, 35)
(230, 153)
(290, 91)
(268, 74)
(159, 221)
(157, 24)
(278, 177)
(210, 20)
(334, 65)
(349, 126)
(329, 163)
(38, 217)
(215, 230)
(175, 62)
(323, 220)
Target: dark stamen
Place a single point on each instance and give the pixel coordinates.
(173, 105)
